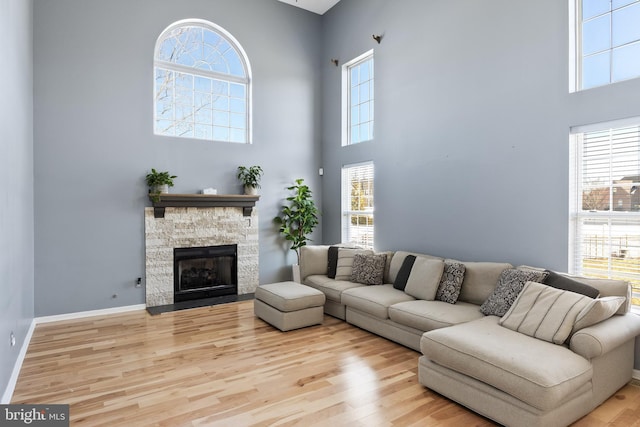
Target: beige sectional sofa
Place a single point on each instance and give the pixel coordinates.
(505, 367)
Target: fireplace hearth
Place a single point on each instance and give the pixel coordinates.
(205, 272)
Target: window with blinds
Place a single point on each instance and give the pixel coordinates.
(357, 204)
(605, 202)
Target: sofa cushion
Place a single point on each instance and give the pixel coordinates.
(313, 260)
(536, 372)
(368, 269)
(404, 272)
(546, 313)
(428, 315)
(374, 300)
(480, 280)
(424, 278)
(398, 259)
(566, 283)
(509, 286)
(332, 288)
(451, 282)
(345, 262)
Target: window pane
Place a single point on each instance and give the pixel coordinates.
(354, 76)
(364, 92)
(220, 118)
(364, 112)
(204, 116)
(238, 121)
(203, 84)
(626, 62)
(591, 8)
(626, 25)
(355, 115)
(221, 103)
(237, 135)
(364, 132)
(355, 98)
(596, 35)
(237, 90)
(619, 3)
(237, 105)
(203, 132)
(365, 71)
(355, 134)
(596, 70)
(220, 133)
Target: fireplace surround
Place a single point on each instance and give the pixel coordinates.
(196, 227)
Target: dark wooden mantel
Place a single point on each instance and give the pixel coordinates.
(203, 201)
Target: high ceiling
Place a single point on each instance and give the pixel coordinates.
(316, 6)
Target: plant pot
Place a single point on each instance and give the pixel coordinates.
(296, 273)
(162, 189)
(250, 191)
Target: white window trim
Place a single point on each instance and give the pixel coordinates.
(345, 208)
(575, 197)
(190, 70)
(346, 95)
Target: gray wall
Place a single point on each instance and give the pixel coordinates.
(94, 137)
(16, 176)
(473, 113)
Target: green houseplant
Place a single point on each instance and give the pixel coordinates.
(250, 178)
(159, 182)
(298, 219)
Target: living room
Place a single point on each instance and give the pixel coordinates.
(473, 115)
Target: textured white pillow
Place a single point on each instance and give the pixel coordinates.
(344, 268)
(424, 278)
(546, 313)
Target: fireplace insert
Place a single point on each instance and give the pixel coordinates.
(205, 272)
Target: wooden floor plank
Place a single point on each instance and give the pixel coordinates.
(221, 366)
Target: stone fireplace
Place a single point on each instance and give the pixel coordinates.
(200, 226)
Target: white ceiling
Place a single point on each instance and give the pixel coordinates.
(316, 6)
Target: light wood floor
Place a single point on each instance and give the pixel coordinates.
(221, 366)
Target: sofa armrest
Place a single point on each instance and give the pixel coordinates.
(603, 337)
(313, 260)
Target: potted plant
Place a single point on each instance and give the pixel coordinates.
(250, 178)
(159, 183)
(297, 220)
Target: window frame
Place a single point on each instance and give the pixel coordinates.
(347, 212)
(576, 57)
(346, 97)
(609, 214)
(208, 74)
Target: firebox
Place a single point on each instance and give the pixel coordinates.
(205, 272)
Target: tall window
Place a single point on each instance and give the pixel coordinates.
(202, 84)
(608, 34)
(605, 202)
(357, 93)
(357, 204)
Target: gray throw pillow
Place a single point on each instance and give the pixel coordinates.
(368, 269)
(509, 285)
(451, 282)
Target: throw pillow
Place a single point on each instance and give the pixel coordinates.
(546, 313)
(451, 282)
(368, 269)
(424, 278)
(509, 285)
(345, 262)
(600, 309)
(333, 262)
(563, 282)
(403, 273)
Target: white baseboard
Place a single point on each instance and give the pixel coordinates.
(8, 393)
(636, 375)
(82, 314)
(13, 380)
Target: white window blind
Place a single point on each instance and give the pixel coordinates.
(605, 202)
(357, 204)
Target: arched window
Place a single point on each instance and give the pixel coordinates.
(202, 84)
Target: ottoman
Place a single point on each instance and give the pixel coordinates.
(289, 305)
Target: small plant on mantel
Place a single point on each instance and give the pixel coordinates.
(159, 182)
(299, 218)
(250, 178)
